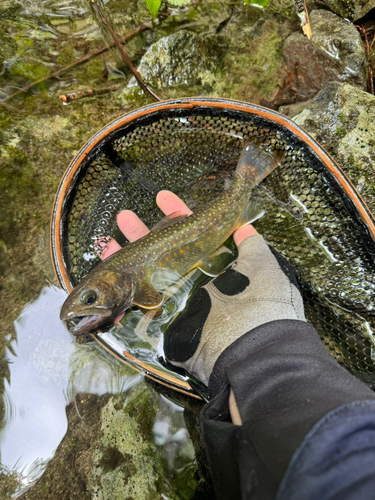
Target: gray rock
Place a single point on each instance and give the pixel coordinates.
(181, 58)
(335, 52)
(341, 41)
(350, 9)
(342, 118)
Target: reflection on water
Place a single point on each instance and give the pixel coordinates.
(47, 370)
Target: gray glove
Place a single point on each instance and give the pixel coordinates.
(260, 287)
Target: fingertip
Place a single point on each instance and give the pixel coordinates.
(131, 225)
(169, 203)
(111, 248)
(244, 232)
(123, 217)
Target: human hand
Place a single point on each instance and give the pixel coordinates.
(259, 288)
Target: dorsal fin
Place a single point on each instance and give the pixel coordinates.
(169, 220)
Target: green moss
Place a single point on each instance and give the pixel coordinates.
(8, 46)
(16, 185)
(9, 483)
(67, 55)
(29, 69)
(341, 132)
(126, 461)
(23, 42)
(285, 8)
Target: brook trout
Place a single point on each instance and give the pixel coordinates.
(136, 274)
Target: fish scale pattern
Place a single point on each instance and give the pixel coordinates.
(194, 155)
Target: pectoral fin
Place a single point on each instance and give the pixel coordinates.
(161, 277)
(169, 220)
(215, 263)
(146, 296)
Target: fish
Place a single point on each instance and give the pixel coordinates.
(137, 274)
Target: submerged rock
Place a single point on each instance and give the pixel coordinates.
(253, 67)
(350, 9)
(130, 445)
(342, 118)
(335, 52)
(181, 58)
(126, 462)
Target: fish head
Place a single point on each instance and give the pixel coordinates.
(97, 299)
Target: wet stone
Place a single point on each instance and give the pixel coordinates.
(350, 9)
(342, 118)
(335, 52)
(181, 58)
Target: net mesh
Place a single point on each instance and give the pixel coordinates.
(307, 217)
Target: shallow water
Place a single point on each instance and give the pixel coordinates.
(48, 371)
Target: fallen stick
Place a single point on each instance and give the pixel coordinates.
(116, 41)
(304, 17)
(76, 63)
(73, 96)
(367, 47)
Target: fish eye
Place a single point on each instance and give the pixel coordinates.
(88, 297)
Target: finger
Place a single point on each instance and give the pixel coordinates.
(111, 248)
(243, 233)
(131, 225)
(169, 202)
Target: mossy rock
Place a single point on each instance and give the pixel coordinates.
(253, 67)
(8, 47)
(32, 70)
(10, 9)
(126, 462)
(342, 118)
(350, 9)
(181, 58)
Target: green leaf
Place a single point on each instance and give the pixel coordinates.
(257, 3)
(153, 6)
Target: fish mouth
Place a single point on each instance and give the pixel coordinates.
(85, 323)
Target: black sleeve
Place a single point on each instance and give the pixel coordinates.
(289, 390)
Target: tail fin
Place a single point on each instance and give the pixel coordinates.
(255, 164)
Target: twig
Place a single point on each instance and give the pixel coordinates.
(76, 63)
(371, 76)
(73, 96)
(105, 21)
(367, 50)
(304, 17)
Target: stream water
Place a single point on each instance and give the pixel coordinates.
(75, 423)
